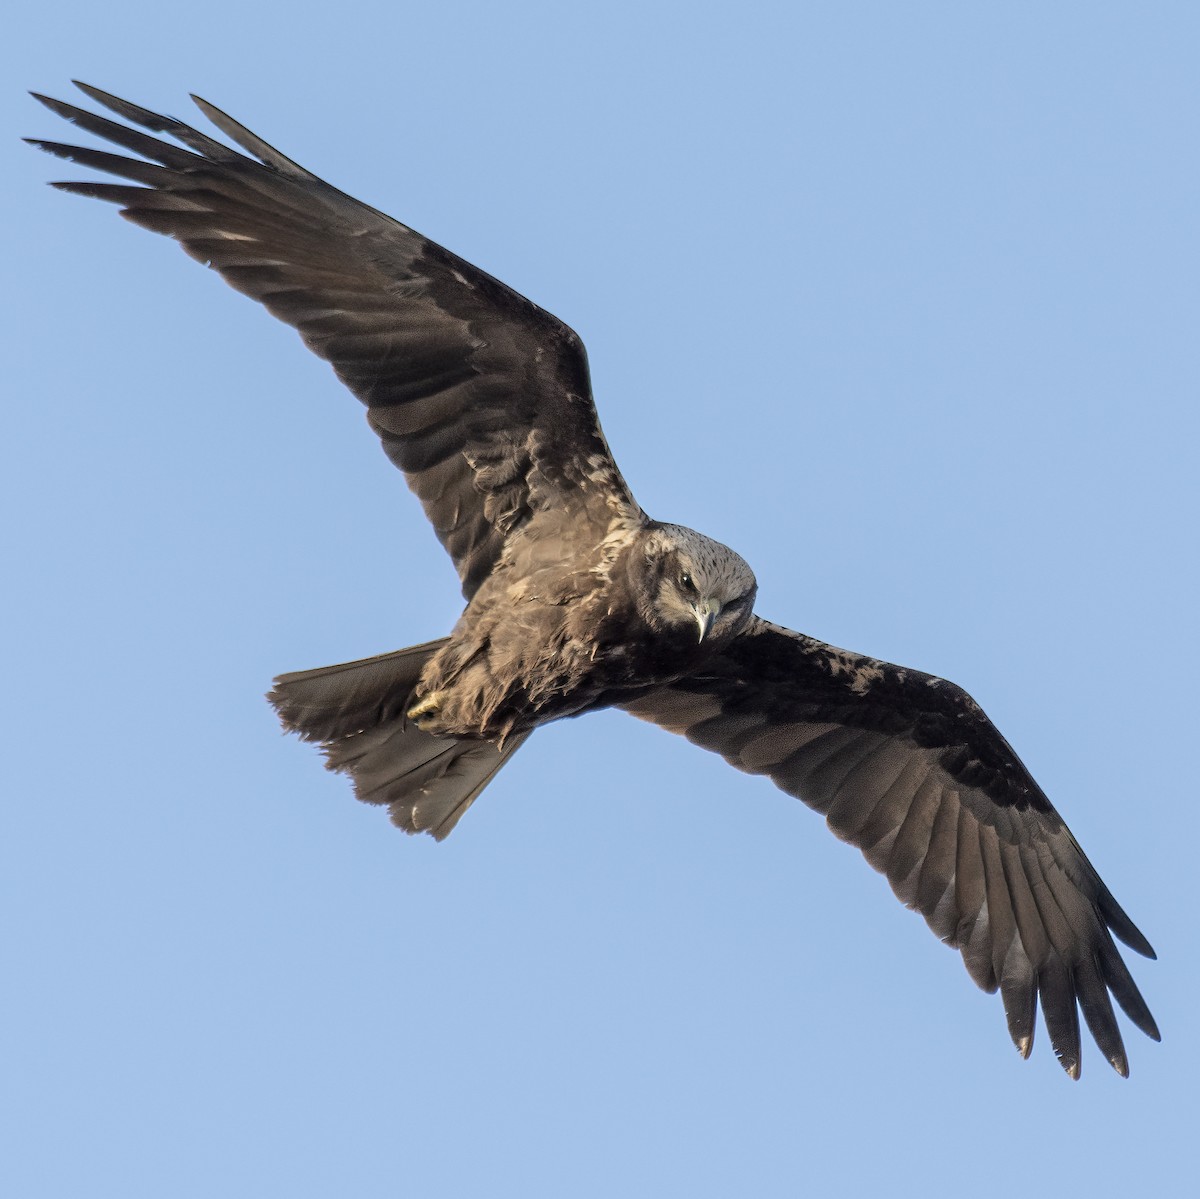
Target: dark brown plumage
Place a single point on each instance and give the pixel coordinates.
(577, 600)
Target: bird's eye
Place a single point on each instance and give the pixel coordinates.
(685, 581)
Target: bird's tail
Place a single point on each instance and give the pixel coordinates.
(356, 711)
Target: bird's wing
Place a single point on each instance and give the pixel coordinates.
(479, 396)
(908, 768)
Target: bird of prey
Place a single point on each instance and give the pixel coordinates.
(577, 600)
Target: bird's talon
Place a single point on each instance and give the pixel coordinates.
(422, 711)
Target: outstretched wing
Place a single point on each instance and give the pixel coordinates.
(908, 768)
(479, 396)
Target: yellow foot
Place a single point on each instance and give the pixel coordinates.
(427, 708)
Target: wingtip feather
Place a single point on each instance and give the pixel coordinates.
(59, 107)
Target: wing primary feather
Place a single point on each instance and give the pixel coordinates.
(112, 193)
(1010, 962)
(1086, 928)
(1074, 864)
(1125, 991)
(1025, 910)
(250, 142)
(1122, 926)
(1060, 1012)
(1002, 922)
(115, 164)
(1029, 949)
(140, 143)
(1054, 921)
(1098, 1012)
(157, 123)
(1018, 990)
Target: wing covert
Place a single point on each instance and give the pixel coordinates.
(908, 768)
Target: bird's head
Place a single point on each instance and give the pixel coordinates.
(690, 582)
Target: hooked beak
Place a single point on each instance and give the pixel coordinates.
(707, 611)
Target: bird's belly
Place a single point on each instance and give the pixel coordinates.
(495, 689)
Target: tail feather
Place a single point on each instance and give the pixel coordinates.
(356, 711)
(331, 702)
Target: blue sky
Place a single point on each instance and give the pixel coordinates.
(900, 300)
